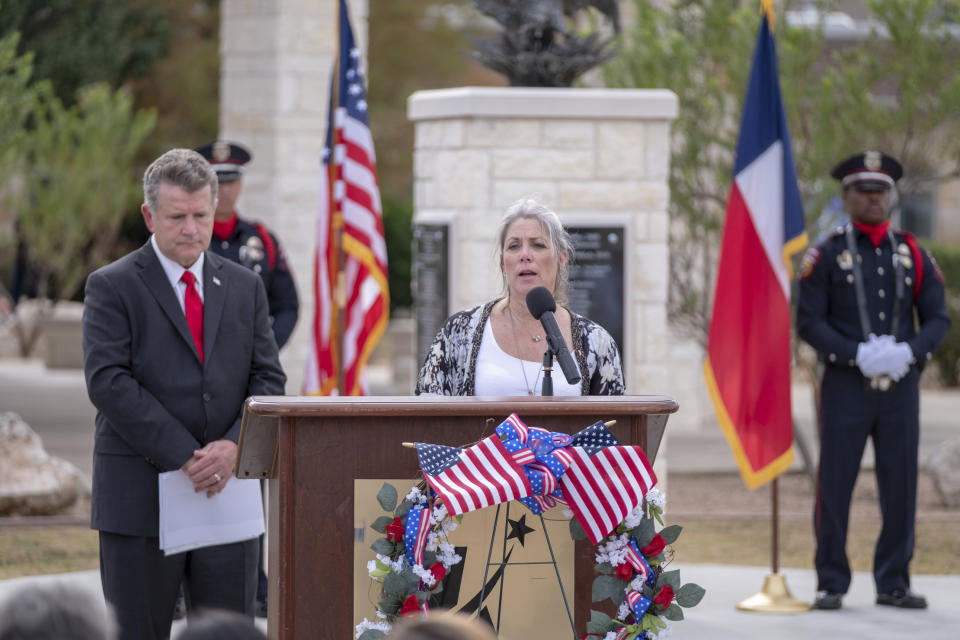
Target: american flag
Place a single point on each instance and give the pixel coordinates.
(469, 479)
(594, 438)
(349, 209)
(603, 488)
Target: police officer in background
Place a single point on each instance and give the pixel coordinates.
(247, 241)
(251, 244)
(858, 293)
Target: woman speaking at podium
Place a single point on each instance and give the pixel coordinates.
(497, 349)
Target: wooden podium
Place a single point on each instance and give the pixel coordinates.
(314, 448)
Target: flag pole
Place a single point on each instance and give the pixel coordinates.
(775, 596)
(340, 294)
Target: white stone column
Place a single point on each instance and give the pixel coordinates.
(276, 59)
(597, 156)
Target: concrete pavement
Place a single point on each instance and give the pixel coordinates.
(55, 404)
(716, 617)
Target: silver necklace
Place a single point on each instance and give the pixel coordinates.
(523, 368)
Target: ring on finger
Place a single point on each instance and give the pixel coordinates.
(217, 477)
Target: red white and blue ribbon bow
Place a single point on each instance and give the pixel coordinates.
(639, 563)
(639, 604)
(415, 533)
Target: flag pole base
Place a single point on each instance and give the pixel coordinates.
(775, 597)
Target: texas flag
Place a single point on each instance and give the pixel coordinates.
(748, 353)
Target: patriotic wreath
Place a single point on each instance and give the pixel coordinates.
(607, 489)
(631, 562)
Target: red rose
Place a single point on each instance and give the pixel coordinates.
(624, 571)
(411, 605)
(438, 571)
(664, 597)
(395, 530)
(655, 547)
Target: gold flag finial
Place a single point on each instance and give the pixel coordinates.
(768, 9)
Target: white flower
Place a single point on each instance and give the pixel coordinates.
(424, 574)
(636, 584)
(447, 555)
(611, 635)
(656, 498)
(634, 518)
(366, 625)
(623, 611)
(614, 550)
(439, 514)
(432, 541)
(371, 566)
(396, 566)
(416, 496)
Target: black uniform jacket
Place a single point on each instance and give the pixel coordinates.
(253, 246)
(827, 313)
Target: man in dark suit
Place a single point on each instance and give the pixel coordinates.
(174, 339)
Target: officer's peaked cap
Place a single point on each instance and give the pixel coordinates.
(870, 170)
(226, 158)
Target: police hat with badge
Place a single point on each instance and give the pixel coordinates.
(868, 171)
(226, 158)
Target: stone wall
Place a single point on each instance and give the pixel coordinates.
(597, 156)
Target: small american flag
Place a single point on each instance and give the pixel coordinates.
(469, 479)
(594, 438)
(602, 489)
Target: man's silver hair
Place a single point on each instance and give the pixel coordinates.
(530, 209)
(182, 168)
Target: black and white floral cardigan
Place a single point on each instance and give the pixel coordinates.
(452, 359)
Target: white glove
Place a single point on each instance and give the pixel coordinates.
(871, 355)
(896, 360)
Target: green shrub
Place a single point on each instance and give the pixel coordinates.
(947, 356)
(398, 232)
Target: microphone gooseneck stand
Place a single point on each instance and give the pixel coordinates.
(547, 388)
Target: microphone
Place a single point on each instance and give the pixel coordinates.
(541, 305)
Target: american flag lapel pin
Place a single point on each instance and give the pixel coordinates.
(216, 281)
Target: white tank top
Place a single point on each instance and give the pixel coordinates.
(499, 374)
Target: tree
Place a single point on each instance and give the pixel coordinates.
(80, 42)
(897, 90)
(67, 179)
(17, 101)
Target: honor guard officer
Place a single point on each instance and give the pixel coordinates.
(858, 293)
(249, 242)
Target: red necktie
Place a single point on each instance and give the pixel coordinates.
(193, 307)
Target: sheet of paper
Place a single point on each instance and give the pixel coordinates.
(190, 520)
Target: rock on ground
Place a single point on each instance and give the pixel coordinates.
(32, 482)
(944, 466)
